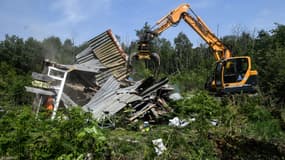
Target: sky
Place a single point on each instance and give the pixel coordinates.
(81, 20)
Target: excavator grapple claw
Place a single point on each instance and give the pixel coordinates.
(149, 58)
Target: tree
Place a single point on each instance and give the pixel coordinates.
(11, 52)
(184, 52)
(34, 54)
(240, 45)
(270, 51)
(67, 55)
(167, 55)
(12, 86)
(52, 48)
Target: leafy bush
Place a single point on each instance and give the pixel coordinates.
(12, 90)
(198, 103)
(24, 137)
(192, 80)
(248, 116)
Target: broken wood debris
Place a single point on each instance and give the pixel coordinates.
(153, 102)
(98, 81)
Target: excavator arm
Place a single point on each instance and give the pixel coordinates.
(220, 51)
(171, 19)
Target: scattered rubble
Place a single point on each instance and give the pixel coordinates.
(99, 82)
(214, 122)
(177, 122)
(158, 146)
(175, 96)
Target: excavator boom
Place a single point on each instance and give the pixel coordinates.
(198, 25)
(220, 50)
(170, 19)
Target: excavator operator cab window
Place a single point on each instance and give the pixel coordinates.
(235, 69)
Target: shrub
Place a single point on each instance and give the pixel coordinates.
(24, 137)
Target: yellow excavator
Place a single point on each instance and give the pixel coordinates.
(231, 74)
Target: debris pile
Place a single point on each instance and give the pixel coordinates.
(98, 81)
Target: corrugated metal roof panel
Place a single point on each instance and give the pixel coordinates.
(113, 104)
(83, 54)
(104, 53)
(111, 99)
(93, 65)
(109, 52)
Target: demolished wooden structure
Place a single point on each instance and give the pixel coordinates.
(97, 82)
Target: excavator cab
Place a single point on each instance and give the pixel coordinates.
(234, 75)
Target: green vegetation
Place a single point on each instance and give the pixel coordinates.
(248, 126)
(75, 134)
(72, 135)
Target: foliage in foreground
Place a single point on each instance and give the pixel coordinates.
(76, 135)
(239, 125)
(24, 137)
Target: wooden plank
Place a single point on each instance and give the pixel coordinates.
(41, 77)
(39, 91)
(142, 111)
